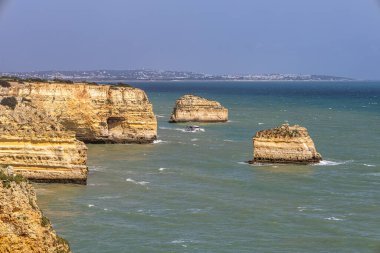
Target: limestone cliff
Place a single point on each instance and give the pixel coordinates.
(96, 113)
(284, 144)
(37, 147)
(190, 108)
(23, 228)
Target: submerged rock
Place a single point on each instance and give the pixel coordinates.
(23, 227)
(96, 113)
(190, 108)
(284, 144)
(38, 148)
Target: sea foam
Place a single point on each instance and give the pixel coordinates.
(137, 182)
(333, 218)
(159, 141)
(330, 163)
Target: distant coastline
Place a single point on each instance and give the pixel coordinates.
(157, 75)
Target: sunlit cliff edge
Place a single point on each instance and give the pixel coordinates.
(96, 113)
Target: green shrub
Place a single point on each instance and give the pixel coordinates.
(10, 102)
(6, 179)
(58, 80)
(123, 85)
(45, 221)
(35, 80)
(5, 84)
(90, 83)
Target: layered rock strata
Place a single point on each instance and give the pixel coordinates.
(96, 113)
(190, 108)
(23, 228)
(38, 147)
(284, 144)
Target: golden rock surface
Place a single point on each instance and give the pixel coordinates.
(284, 144)
(190, 108)
(37, 147)
(96, 113)
(23, 228)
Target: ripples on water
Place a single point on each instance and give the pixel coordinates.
(193, 192)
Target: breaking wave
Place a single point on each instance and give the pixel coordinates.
(137, 182)
(331, 163)
(333, 218)
(159, 141)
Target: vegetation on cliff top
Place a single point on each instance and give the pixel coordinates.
(7, 179)
(5, 84)
(284, 131)
(10, 102)
(5, 81)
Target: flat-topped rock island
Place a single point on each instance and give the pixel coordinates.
(190, 108)
(284, 144)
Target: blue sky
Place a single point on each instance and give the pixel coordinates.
(337, 37)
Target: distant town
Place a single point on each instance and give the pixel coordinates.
(157, 75)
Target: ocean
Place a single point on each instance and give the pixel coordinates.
(193, 192)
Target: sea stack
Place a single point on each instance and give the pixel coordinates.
(37, 147)
(23, 227)
(190, 108)
(284, 144)
(96, 113)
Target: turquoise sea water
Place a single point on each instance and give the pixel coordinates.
(192, 192)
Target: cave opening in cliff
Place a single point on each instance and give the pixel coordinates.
(115, 125)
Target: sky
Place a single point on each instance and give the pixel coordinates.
(332, 37)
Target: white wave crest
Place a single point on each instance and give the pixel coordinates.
(331, 163)
(369, 165)
(333, 218)
(181, 241)
(172, 128)
(99, 184)
(137, 182)
(160, 116)
(162, 169)
(159, 141)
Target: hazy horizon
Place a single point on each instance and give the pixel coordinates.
(338, 38)
(169, 70)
